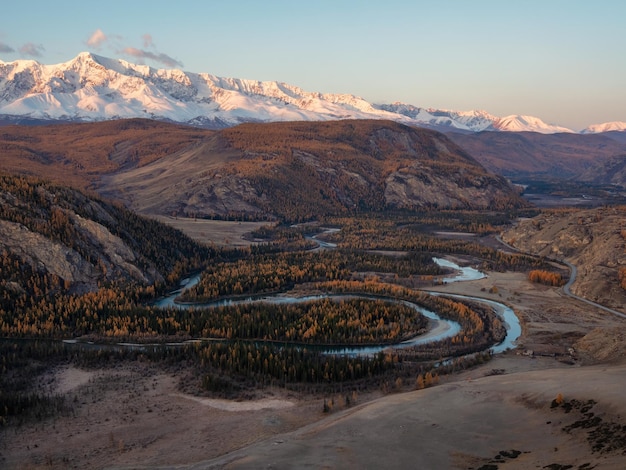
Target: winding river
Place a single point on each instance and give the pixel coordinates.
(439, 328)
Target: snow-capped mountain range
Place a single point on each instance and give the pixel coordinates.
(95, 88)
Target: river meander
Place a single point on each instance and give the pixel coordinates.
(439, 329)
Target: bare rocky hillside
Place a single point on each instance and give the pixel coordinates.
(593, 240)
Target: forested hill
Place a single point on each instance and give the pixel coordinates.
(291, 171)
(299, 171)
(54, 239)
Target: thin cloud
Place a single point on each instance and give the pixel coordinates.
(147, 40)
(97, 39)
(5, 48)
(155, 56)
(33, 50)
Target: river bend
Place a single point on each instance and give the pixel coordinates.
(439, 328)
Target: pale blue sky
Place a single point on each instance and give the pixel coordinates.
(563, 61)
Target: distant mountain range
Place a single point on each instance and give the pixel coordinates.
(95, 88)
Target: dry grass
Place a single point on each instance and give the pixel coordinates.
(76, 154)
(213, 232)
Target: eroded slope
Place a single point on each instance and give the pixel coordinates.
(593, 240)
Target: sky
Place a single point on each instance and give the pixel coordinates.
(563, 61)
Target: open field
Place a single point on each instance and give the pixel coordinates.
(495, 422)
(135, 416)
(217, 232)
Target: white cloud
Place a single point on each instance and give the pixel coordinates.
(97, 38)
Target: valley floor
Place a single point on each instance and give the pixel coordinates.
(498, 414)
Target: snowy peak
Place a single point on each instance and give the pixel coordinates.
(473, 121)
(519, 123)
(605, 127)
(94, 88)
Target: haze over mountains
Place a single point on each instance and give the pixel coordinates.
(540, 156)
(95, 88)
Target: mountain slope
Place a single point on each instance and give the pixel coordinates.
(611, 171)
(529, 154)
(297, 171)
(76, 154)
(94, 88)
(517, 123)
(65, 241)
(593, 240)
(605, 127)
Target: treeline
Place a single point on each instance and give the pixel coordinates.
(263, 274)
(20, 364)
(267, 365)
(108, 315)
(462, 221)
(325, 321)
(282, 238)
(269, 240)
(224, 369)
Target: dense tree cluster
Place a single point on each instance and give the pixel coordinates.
(268, 365)
(20, 363)
(282, 271)
(545, 277)
(281, 238)
(324, 321)
(262, 274)
(480, 327)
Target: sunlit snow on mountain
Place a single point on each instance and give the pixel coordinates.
(95, 88)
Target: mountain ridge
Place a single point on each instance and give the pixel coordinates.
(291, 171)
(299, 171)
(534, 155)
(90, 87)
